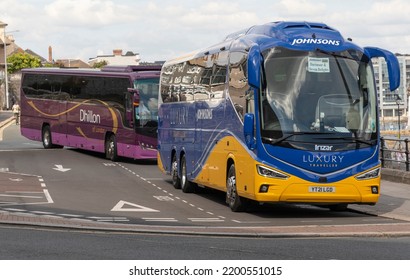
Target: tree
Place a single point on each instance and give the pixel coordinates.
(19, 61)
(100, 64)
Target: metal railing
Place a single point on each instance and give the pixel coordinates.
(394, 153)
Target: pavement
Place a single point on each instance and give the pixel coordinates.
(394, 203)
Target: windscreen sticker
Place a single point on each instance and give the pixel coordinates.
(318, 65)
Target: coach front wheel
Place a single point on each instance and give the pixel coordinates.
(47, 140)
(232, 198)
(111, 148)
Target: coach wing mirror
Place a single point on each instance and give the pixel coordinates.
(249, 130)
(392, 62)
(135, 106)
(254, 67)
(133, 90)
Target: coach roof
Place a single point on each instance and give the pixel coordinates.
(298, 35)
(90, 72)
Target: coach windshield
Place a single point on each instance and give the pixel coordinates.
(318, 95)
(146, 112)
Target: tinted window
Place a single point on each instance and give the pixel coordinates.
(201, 78)
(112, 90)
(238, 82)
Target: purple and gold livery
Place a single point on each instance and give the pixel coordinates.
(93, 110)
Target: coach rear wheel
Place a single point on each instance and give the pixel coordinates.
(232, 198)
(46, 137)
(174, 172)
(111, 148)
(186, 185)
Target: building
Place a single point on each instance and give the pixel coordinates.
(117, 58)
(64, 63)
(10, 83)
(71, 63)
(4, 43)
(394, 106)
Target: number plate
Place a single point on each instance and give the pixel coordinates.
(322, 189)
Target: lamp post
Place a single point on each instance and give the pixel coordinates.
(398, 99)
(6, 82)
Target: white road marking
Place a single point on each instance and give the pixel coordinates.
(22, 192)
(113, 220)
(163, 198)
(109, 219)
(15, 179)
(20, 196)
(48, 196)
(160, 219)
(109, 164)
(60, 168)
(205, 220)
(43, 213)
(134, 207)
(15, 210)
(119, 206)
(71, 215)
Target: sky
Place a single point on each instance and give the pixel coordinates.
(161, 30)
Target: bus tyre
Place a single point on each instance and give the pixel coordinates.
(174, 172)
(186, 185)
(232, 198)
(111, 148)
(46, 137)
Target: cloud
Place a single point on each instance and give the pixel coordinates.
(161, 29)
(384, 23)
(299, 9)
(90, 13)
(207, 16)
(176, 27)
(224, 15)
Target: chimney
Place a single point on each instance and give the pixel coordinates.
(117, 52)
(50, 54)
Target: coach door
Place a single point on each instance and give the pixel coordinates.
(145, 111)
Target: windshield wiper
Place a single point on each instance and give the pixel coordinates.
(354, 139)
(279, 140)
(273, 141)
(336, 55)
(357, 140)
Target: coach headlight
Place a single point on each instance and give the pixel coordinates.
(267, 172)
(374, 173)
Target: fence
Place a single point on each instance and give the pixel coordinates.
(394, 153)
